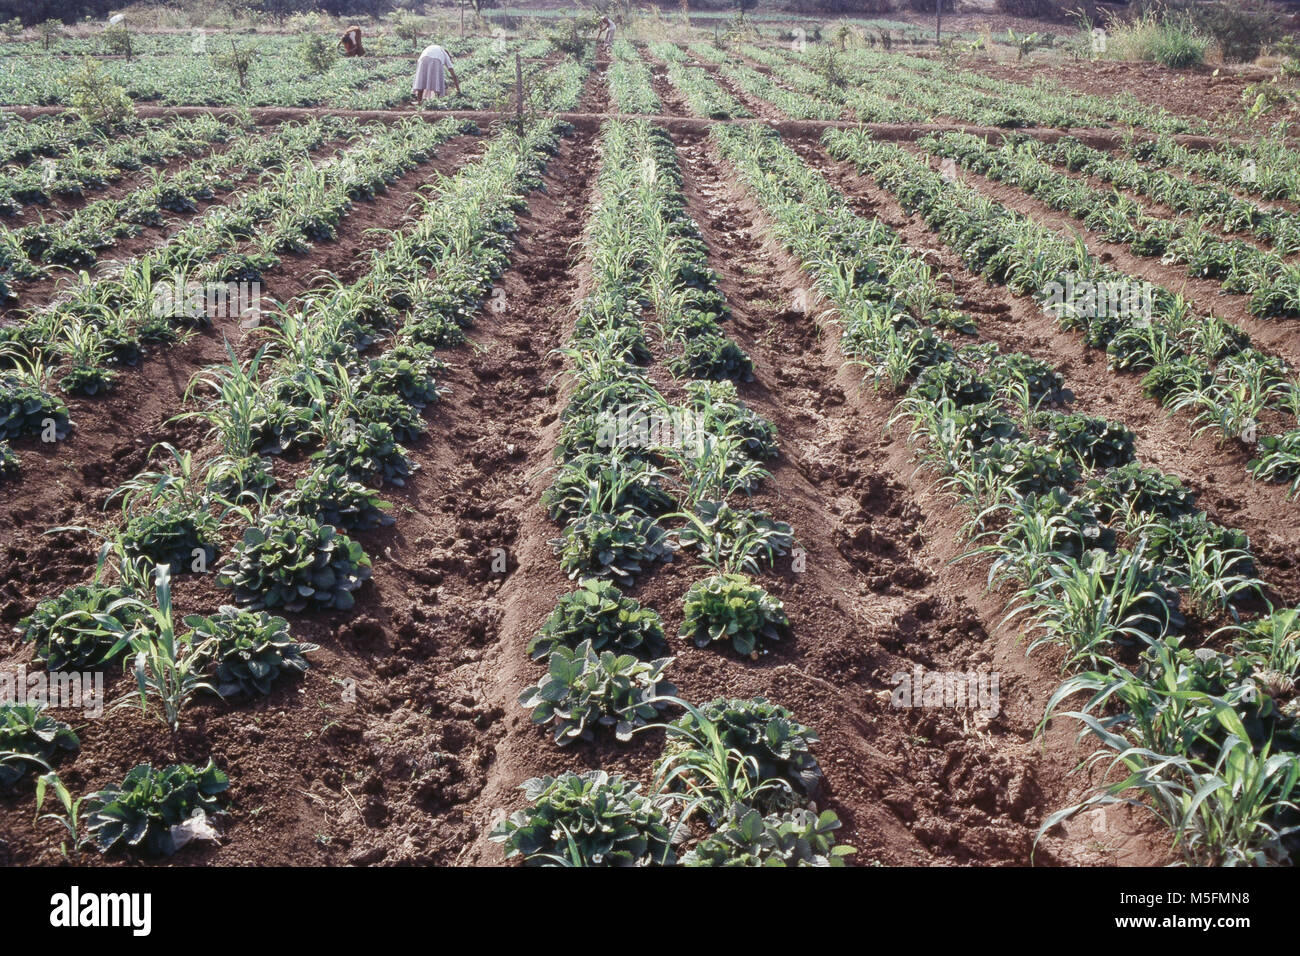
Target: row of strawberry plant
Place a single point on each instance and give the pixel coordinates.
(76, 240)
(629, 82)
(322, 391)
(830, 86)
(1272, 284)
(744, 766)
(1209, 203)
(938, 87)
(1100, 551)
(1267, 166)
(79, 170)
(1203, 365)
(49, 137)
(110, 321)
(183, 78)
(704, 97)
(789, 102)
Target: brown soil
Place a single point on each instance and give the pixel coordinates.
(1200, 93)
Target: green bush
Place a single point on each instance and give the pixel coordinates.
(601, 615)
(1168, 38)
(318, 53)
(1241, 28)
(588, 819)
(76, 629)
(730, 607)
(96, 98)
(142, 810)
(293, 562)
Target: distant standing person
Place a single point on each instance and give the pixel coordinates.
(606, 32)
(431, 73)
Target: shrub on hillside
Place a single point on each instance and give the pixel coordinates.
(1241, 28)
(1170, 38)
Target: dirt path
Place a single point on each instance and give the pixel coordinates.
(681, 121)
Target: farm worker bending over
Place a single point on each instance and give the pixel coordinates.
(431, 73)
(351, 42)
(606, 31)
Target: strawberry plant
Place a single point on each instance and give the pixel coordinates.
(369, 454)
(795, 838)
(1279, 459)
(1096, 442)
(77, 629)
(175, 534)
(294, 562)
(1027, 466)
(588, 819)
(143, 808)
(600, 615)
(623, 484)
(734, 539)
(328, 495)
(954, 381)
(723, 413)
(10, 463)
(250, 651)
(585, 689)
(773, 745)
(1132, 489)
(26, 409)
(413, 381)
(611, 545)
(29, 738)
(731, 607)
(391, 410)
(713, 356)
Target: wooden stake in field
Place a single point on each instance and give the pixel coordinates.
(519, 93)
(938, 19)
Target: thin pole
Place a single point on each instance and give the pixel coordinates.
(519, 92)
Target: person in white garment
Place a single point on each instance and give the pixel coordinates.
(431, 73)
(606, 32)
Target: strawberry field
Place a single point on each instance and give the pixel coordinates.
(681, 452)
